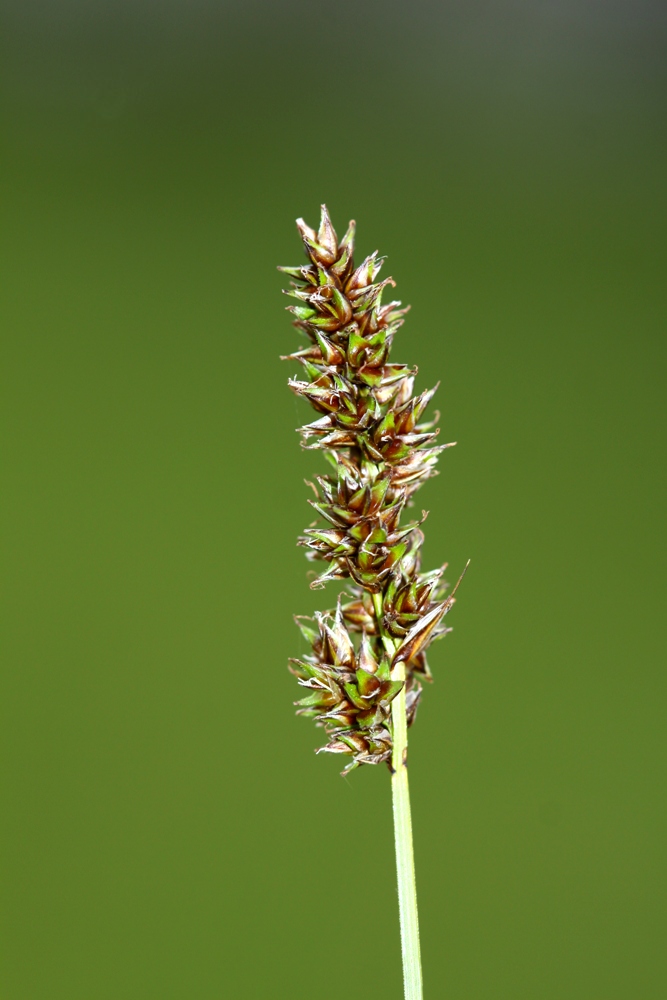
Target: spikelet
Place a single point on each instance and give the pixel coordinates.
(380, 450)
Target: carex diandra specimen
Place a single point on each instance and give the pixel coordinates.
(367, 661)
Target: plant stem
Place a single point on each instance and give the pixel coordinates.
(405, 862)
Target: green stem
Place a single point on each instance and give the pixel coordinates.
(405, 861)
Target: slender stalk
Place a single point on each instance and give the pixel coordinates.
(405, 862)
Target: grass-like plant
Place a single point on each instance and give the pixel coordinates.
(368, 656)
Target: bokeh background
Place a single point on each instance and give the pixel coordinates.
(168, 831)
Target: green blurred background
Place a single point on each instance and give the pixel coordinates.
(168, 831)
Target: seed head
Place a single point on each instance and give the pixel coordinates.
(380, 451)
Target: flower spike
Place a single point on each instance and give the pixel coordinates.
(370, 427)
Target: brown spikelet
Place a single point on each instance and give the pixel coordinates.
(369, 425)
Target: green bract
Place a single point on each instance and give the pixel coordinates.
(380, 453)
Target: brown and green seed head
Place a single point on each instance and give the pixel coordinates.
(380, 451)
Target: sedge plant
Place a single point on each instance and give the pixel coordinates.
(367, 660)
